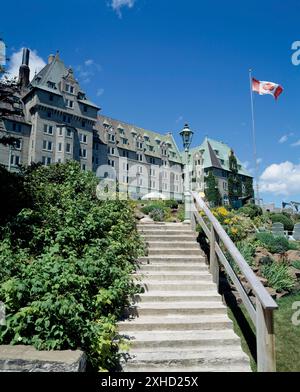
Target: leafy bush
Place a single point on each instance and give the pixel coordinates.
(158, 215)
(285, 220)
(247, 250)
(278, 276)
(173, 204)
(251, 210)
(273, 244)
(152, 206)
(296, 264)
(66, 264)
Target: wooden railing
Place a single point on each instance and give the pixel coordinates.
(262, 313)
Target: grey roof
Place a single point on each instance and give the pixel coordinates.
(152, 141)
(216, 154)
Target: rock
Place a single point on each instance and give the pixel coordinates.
(295, 272)
(264, 281)
(279, 257)
(146, 219)
(261, 254)
(282, 294)
(293, 255)
(22, 358)
(139, 215)
(255, 270)
(272, 292)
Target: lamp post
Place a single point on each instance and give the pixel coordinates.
(187, 136)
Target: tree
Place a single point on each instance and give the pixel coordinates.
(212, 192)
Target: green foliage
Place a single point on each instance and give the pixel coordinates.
(293, 245)
(234, 180)
(249, 191)
(158, 215)
(296, 264)
(284, 219)
(273, 244)
(278, 276)
(212, 192)
(251, 210)
(153, 205)
(247, 250)
(66, 265)
(173, 204)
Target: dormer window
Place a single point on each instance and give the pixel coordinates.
(51, 84)
(69, 103)
(69, 89)
(216, 152)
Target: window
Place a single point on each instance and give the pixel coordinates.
(140, 157)
(69, 132)
(60, 131)
(82, 152)
(59, 147)
(49, 114)
(46, 161)
(18, 144)
(68, 148)
(51, 84)
(165, 186)
(140, 181)
(111, 137)
(59, 160)
(83, 124)
(83, 166)
(97, 161)
(69, 119)
(125, 141)
(50, 97)
(82, 138)
(85, 108)
(140, 169)
(152, 160)
(48, 129)
(125, 154)
(111, 150)
(47, 145)
(15, 160)
(139, 145)
(69, 89)
(69, 103)
(152, 172)
(176, 177)
(64, 118)
(111, 163)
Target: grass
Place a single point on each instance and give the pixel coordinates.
(287, 335)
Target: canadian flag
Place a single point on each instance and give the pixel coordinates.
(263, 88)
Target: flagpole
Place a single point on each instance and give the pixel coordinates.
(254, 137)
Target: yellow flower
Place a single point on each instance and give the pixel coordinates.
(234, 230)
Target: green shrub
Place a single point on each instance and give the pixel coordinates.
(247, 250)
(273, 244)
(66, 264)
(158, 215)
(285, 220)
(251, 210)
(296, 264)
(173, 204)
(152, 206)
(293, 245)
(278, 276)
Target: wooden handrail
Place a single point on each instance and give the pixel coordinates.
(262, 314)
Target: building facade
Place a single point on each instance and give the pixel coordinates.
(59, 123)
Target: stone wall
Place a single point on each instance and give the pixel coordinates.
(27, 359)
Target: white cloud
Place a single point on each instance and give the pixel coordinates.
(281, 179)
(100, 92)
(283, 139)
(296, 144)
(89, 62)
(259, 161)
(36, 63)
(117, 5)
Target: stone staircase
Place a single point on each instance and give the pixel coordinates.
(179, 323)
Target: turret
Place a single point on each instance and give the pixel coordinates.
(24, 70)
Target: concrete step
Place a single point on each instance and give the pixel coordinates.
(166, 232)
(172, 259)
(164, 227)
(193, 251)
(176, 308)
(170, 238)
(190, 340)
(177, 244)
(173, 276)
(175, 323)
(173, 296)
(165, 268)
(187, 285)
(219, 368)
(223, 356)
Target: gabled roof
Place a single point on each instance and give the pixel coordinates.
(216, 154)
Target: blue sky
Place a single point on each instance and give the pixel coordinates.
(161, 63)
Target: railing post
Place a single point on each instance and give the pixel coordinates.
(265, 339)
(213, 260)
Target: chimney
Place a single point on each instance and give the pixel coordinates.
(51, 58)
(24, 70)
